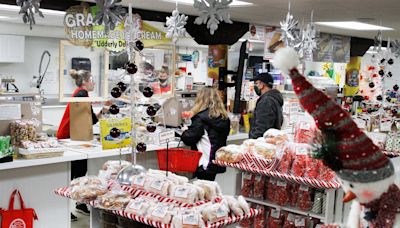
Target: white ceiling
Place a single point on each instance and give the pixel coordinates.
(270, 12)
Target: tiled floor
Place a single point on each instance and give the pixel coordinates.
(83, 221)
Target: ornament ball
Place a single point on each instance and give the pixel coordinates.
(131, 68)
(395, 87)
(151, 111)
(390, 61)
(121, 86)
(141, 147)
(371, 85)
(139, 45)
(148, 92)
(116, 92)
(115, 132)
(114, 109)
(388, 99)
(381, 72)
(379, 98)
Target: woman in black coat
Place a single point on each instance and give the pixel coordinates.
(208, 132)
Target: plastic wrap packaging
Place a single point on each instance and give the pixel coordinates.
(294, 195)
(265, 150)
(259, 187)
(230, 154)
(158, 186)
(305, 198)
(244, 205)
(271, 190)
(306, 132)
(88, 188)
(300, 222)
(215, 212)
(233, 205)
(318, 202)
(140, 206)
(299, 165)
(115, 199)
(159, 174)
(187, 218)
(22, 130)
(286, 160)
(211, 189)
(261, 220)
(274, 136)
(184, 193)
(115, 166)
(139, 181)
(275, 219)
(200, 192)
(289, 221)
(248, 185)
(282, 193)
(161, 212)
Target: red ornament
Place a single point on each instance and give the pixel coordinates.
(374, 75)
(371, 68)
(366, 98)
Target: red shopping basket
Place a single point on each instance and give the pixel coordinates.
(179, 160)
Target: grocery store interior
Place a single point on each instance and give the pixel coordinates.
(200, 113)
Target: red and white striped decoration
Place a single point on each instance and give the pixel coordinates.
(141, 219)
(257, 162)
(288, 177)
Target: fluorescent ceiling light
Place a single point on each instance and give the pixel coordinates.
(13, 8)
(234, 3)
(372, 51)
(353, 25)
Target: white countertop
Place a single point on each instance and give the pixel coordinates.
(72, 154)
(21, 163)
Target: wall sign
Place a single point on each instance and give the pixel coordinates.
(80, 29)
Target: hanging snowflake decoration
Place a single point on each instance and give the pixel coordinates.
(28, 9)
(176, 25)
(395, 48)
(309, 39)
(378, 42)
(290, 33)
(212, 12)
(109, 13)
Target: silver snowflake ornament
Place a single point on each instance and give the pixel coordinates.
(212, 12)
(289, 29)
(176, 25)
(395, 48)
(309, 38)
(109, 13)
(28, 9)
(378, 42)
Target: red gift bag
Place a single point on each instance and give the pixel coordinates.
(22, 218)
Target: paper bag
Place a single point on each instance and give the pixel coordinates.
(81, 122)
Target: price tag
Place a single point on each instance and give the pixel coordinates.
(300, 222)
(291, 217)
(221, 212)
(385, 125)
(301, 151)
(181, 192)
(258, 178)
(166, 136)
(303, 188)
(136, 205)
(275, 213)
(362, 124)
(139, 181)
(160, 211)
(281, 184)
(157, 184)
(190, 219)
(305, 126)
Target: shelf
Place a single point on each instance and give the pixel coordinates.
(312, 182)
(288, 209)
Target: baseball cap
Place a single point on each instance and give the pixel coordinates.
(264, 77)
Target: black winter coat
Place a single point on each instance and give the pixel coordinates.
(268, 114)
(217, 130)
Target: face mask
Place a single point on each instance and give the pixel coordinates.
(163, 80)
(257, 90)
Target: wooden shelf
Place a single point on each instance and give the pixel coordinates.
(285, 208)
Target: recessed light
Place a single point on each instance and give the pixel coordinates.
(234, 2)
(354, 25)
(13, 8)
(4, 17)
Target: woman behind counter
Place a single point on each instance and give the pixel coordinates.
(84, 81)
(208, 132)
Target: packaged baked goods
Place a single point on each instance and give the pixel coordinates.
(259, 187)
(260, 220)
(140, 206)
(274, 136)
(160, 212)
(200, 193)
(176, 179)
(22, 130)
(230, 154)
(184, 193)
(244, 205)
(157, 185)
(265, 150)
(88, 188)
(275, 219)
(211, 189)
(139, 181)
(248, 185)
(188, 218)
(305, 198)
(115, 199)
(114, 167)
(215, 212)
(233, 205)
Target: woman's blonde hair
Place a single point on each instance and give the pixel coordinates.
(208, 98)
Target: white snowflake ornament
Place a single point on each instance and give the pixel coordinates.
(212, 12)
(289, 29)
(176, 25)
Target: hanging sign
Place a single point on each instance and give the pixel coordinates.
(81, 29)
(124, 140)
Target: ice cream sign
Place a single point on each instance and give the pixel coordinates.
(81, 29)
